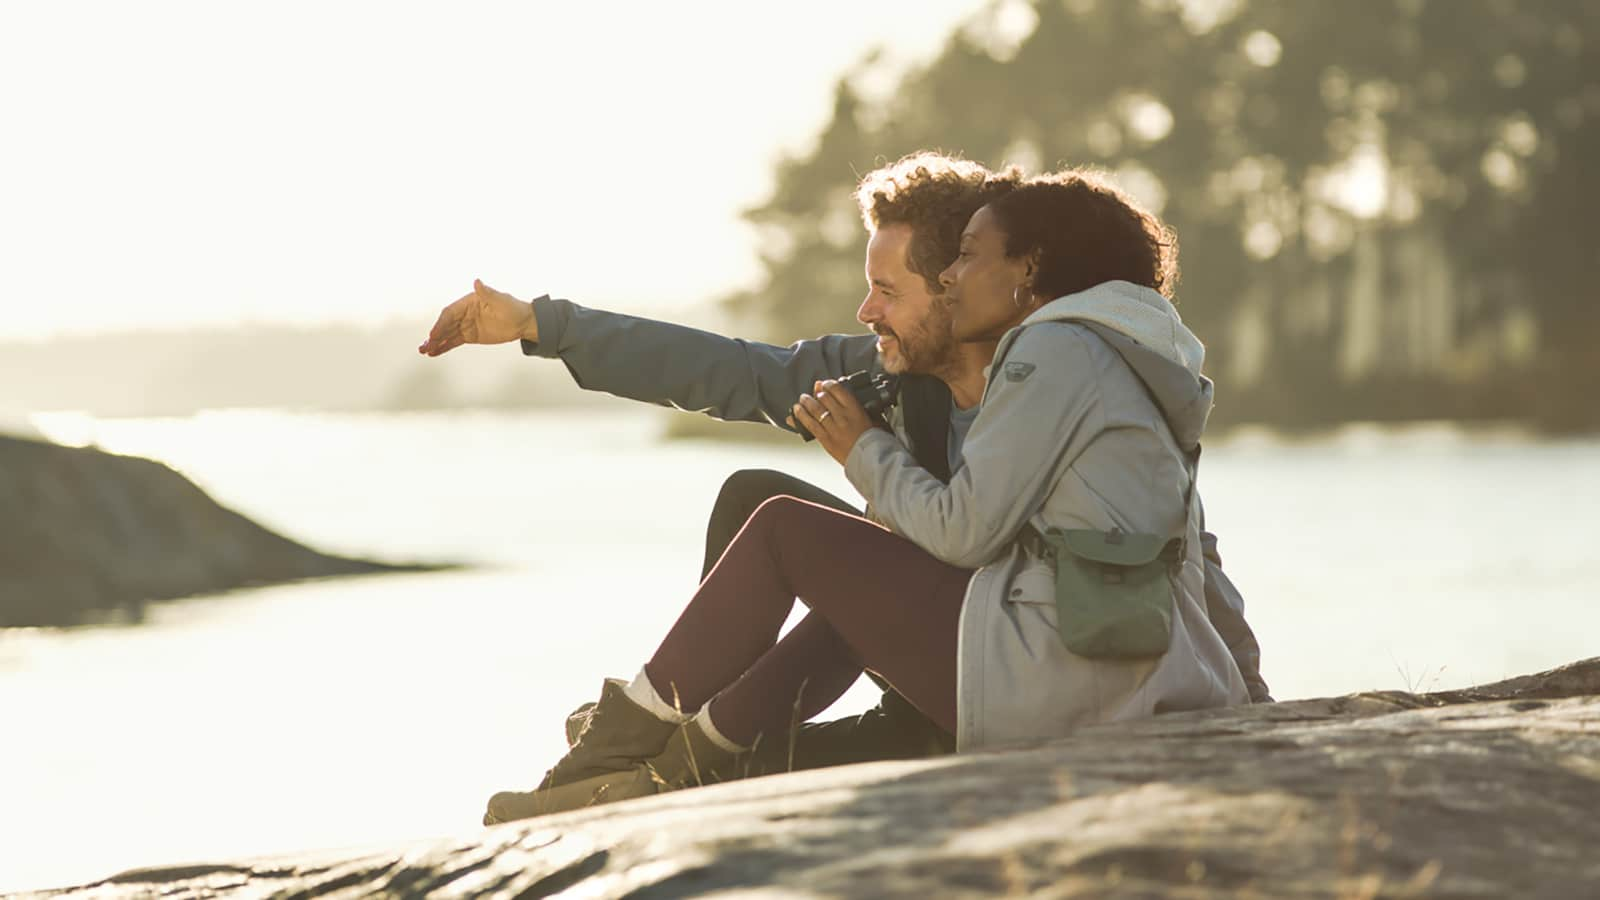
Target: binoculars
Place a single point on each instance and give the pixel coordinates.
(875, 393)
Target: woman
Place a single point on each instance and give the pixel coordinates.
(951, 595)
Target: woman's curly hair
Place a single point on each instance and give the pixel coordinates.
(1086, 231)
(935, 195)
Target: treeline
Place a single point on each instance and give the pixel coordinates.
(335, 368)
(1383, 205)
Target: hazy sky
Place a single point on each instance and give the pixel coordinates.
(186, 163)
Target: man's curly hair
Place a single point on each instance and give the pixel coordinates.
(935, 195)
(1085, 231)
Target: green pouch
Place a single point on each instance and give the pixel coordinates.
(1113, 591)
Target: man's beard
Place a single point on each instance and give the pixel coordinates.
(928, 348)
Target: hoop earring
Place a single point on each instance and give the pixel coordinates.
(1016, 296)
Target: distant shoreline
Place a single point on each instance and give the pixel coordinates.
(92, 537)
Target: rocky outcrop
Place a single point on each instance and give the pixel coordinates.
(85, 534)
(1488, 792)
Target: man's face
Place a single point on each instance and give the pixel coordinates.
(912, 324)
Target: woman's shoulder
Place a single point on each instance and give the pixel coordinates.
(1066, 344)
(1056, 364)
(1078, 362)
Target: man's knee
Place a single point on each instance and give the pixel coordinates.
(780, 509)
(748, 493)
(747, 488)
(741, 493)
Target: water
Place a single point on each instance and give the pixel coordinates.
(367, 710)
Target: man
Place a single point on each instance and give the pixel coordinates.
(914, 211)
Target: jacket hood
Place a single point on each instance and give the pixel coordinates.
(1146, 330)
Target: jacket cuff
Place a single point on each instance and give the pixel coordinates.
(552, 321)
(861, 464)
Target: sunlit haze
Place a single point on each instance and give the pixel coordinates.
(172, 164)
(273, 582)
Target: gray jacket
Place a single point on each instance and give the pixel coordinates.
(1067, 437)
(731, 379)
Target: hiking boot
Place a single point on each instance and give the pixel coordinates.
(510, 806)
(894, 729)
(615, 735)
(576, 720)
(689, 759)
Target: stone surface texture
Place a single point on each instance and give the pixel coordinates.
(1487, 792)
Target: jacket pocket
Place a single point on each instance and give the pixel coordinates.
(1034, 584)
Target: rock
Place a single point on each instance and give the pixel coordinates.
(1488, 792)
(84, 532)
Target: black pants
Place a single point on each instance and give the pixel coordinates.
(894, 729)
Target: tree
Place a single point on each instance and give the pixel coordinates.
(1380, 203)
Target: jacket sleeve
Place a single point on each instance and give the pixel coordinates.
(1225, 609)
(1038, 414)
(672, 365)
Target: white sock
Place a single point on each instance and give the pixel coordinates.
(715, 733)
(642, 692)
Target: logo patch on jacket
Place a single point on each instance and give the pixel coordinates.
(1019, 371)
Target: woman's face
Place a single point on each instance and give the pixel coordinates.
(983, 285)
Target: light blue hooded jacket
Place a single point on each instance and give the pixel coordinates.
(1067, 436)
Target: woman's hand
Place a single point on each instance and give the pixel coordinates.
(833, 416)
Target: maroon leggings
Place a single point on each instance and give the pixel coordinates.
(877, 602)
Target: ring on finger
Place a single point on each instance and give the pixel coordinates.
(825, 414)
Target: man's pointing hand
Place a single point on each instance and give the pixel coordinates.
(485, 316)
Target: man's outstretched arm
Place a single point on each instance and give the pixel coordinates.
(651, 361)
(673, 365)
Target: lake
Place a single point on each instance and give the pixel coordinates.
(367, 710)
